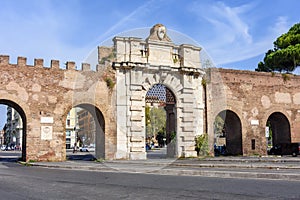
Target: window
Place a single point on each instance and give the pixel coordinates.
(68, 133)
(68, 140)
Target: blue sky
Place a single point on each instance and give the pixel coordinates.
(235, 34)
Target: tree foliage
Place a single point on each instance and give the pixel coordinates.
(286, 53)
(201, 144)
(219, 126)
(155, 120)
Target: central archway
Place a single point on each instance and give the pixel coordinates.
(160, 121)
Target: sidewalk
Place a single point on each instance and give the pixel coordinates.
(280, 168)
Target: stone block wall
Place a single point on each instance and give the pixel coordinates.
(45, 95)
(253, 96)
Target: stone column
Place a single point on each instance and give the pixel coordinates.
(121, 107)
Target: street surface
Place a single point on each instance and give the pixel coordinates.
(24, 182)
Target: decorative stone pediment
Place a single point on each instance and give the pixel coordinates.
(157, 50)
(159, 32)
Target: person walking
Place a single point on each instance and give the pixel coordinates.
(75, 148)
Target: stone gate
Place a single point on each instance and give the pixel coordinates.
(116, 96)
(139, 65)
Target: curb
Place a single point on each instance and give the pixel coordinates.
(248, 175)
(213, 163)
(198, 171)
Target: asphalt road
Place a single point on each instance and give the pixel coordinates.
(21, 182)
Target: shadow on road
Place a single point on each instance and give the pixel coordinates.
(81, 156)
(157, 153)
(9, 158)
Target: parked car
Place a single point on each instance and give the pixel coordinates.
(6, 148)
(285, 149)
(220, 150)
(87, 149)
(83, 149)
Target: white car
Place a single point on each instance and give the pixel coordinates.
(83, 149)
(4, 148)
(87, 149)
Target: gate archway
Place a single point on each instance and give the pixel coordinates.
(279, 127)
(99, 129)
(160, 96)
(228, 133)
(24, 124)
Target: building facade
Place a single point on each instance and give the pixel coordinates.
(2, 137)
(87, 128)
(71, 128)
(13, 129)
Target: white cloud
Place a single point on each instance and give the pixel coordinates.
(231, 35)
(230, 19)
(227, 29)
(49, 31)
(36, 33)
(123, 22)
(103, 39)
(281, 26)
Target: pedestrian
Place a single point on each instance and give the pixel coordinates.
(75, 148)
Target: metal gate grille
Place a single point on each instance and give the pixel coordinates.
(160, 94)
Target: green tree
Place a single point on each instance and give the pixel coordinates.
(219, 126)
(147, 114)
(155, 120)
(286, 53)
(201, 144)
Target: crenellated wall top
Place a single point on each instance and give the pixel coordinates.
(39, 63)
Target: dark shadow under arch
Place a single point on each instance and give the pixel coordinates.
(280, 128)
(24, 119)
(228, 129)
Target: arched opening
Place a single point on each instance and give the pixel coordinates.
(14, 130)
(85, 133)
(160, 122)
(279, 137)
(228, 134)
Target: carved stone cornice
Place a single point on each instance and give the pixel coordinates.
(127, 65)
(196, 72)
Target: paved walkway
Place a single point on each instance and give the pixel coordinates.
(283, 168)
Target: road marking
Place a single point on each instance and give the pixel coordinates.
(9, 156)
